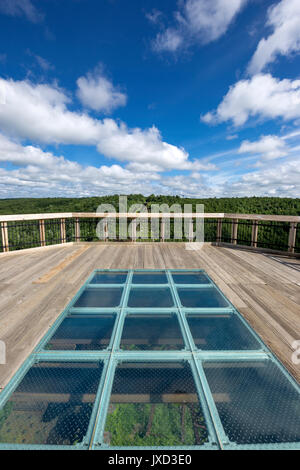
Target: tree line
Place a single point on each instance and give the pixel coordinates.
(241, 205)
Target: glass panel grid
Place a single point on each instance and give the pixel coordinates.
(146, 332)
(109, 277)
(225, 332)
(255, 401)
(52, 405)
(190, 277)
(154, 404)
(83, 332)
(100, 297)
(204, 297)
(150, 297)
(184, 415)
(148, 277)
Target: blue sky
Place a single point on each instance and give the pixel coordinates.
(196, 97)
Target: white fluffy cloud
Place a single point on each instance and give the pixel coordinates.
(19, 8)
(261, 96)
(281, 179)
(97, 92)
(284, 19)
(36, 173)
(143, 147)
(39, 173)
(40, 113)
(198, 21)
(269, 147)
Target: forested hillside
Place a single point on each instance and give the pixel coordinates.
(245, 205)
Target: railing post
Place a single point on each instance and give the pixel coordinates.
(77, 229)
(292, 237)
(219, 231)
(254, 233)
(4, 234)
(105, 230)
(133, 230)
(42, 233)
(63, 230)
(162, 230)
(191, 230)
(234, 231)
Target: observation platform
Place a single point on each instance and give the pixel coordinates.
(37, 284)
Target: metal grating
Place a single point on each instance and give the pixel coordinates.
(83, 332)
(201, 298)
(156, 404)
(150, 358)
(159, 297)
(259, 406)
(146, 277)
(152, 332)
(190, 277)
(221, 333)
(52, 405)
(109, 278)
(105, 297)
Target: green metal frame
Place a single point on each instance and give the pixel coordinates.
(113, 355)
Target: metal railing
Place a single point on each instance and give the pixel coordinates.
(273, 232)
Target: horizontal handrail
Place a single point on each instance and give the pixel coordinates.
(20, 217)
(264, 217)
(148, 215)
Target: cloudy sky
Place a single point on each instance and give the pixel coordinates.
(195, 97)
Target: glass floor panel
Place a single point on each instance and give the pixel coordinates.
(100, 298)
(257, 404)
(201, 298)
(150, 298)
(154, 404)
(221, 332)
(52, 404)
(151, 332)
(137, 355)
(149, 278)
(83, 332)
(190, 277)
(109, 278)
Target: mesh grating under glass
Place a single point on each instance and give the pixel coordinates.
(144, 277)
(221, 333)
(257, 404)
(100, 298)
(154, 404)
(151, 332)
(190, 277)
(201, 298)
(150, 298)
(83, 332)
(52, 404)
(109, 278)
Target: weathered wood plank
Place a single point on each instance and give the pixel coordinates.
(56, 269)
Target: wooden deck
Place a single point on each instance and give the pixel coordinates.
(35, 286)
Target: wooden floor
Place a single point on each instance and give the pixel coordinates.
(35, 286)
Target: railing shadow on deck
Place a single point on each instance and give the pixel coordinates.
(285, 262)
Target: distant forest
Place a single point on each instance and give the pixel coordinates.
(243, 205)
